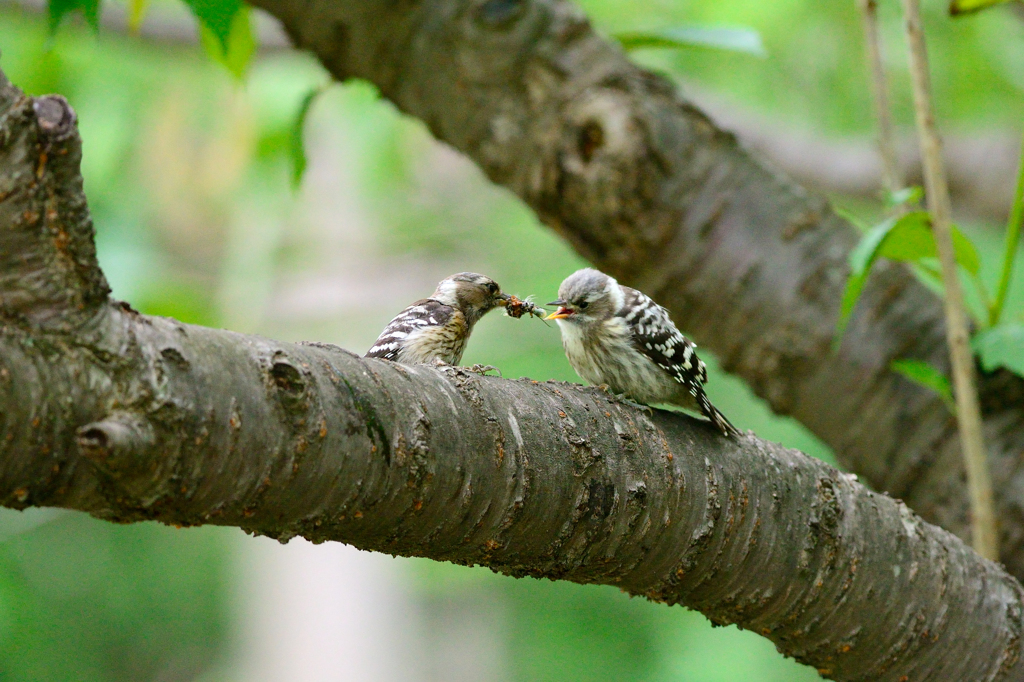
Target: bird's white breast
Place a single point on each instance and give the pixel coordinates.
(604, 354)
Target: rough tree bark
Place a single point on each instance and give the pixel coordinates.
(130, 417)
(643, 185)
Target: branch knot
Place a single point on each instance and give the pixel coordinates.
(55, 116)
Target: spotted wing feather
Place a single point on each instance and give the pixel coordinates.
(413, 320)
(656, 336)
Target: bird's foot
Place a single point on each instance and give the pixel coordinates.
(482, 370)
(439, 363)
(605, 388)
(625, 400)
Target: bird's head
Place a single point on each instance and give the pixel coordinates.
(471, 293)
(587, 296)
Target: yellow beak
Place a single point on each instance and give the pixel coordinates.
(559, 314)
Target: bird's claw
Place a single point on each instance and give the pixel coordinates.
(482, 370)
(621, 398)
(439, 363)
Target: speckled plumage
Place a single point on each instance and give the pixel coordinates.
(437, 329)
(619, 337)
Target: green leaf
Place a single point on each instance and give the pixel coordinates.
(907, 238)
(912, 239)
(1001, 346)
(966, 255)
(906, 196)
(297, 148)
(236, 53)
(1014, 224)
(854, 287)
(958, 7)
(861, 259)
(851, 218)
(923, 374)
(58, 9)
(736, 39)
(930, 275)
(218, 17)
(136, 13)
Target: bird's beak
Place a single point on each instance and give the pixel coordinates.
(563, 310)
(502, 299)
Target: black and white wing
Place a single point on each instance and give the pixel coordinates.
(656, 336)
(410, 322)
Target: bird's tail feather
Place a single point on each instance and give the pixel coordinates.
(723, 424)
(715, 416)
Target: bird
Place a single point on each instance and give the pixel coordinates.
(435, 330)
(618, 338)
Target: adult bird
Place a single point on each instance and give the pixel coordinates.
(618, 337)
(436, 329)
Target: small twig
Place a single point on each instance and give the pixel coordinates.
(892, 177)
(1013, 227)
(979, 482)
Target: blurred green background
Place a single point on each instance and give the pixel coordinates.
(187, 173)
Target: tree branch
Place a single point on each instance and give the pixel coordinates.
(891, 177)
(981, 165)
(130, 417)
(984, 535)
(647, 188)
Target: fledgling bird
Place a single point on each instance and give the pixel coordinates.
(619, 337)
(436, 329)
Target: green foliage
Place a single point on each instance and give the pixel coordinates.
(1013, 230)
(218, 17)
(923, 374)
(297, 146)
(908, 196)
(737, 39)
(233, 45)
(1001, 346)
(814, 79)
(136, 13)
(58, 9)
(585, 633)
(907, 238)
(83, 600)
(958, 7)
(852, 218)
(185, 301)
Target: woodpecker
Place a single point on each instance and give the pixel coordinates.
(618, 337)
(436, 329)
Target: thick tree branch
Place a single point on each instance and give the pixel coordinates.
(981, 164)
(647, 188)
(55, 282)
(131, 417)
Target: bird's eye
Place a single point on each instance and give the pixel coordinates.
(492, 287)
(583, 305)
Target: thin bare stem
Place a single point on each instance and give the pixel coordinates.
(979, 482)
(892, 177)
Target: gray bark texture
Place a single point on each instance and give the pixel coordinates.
(129, 417)
(645, 186)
